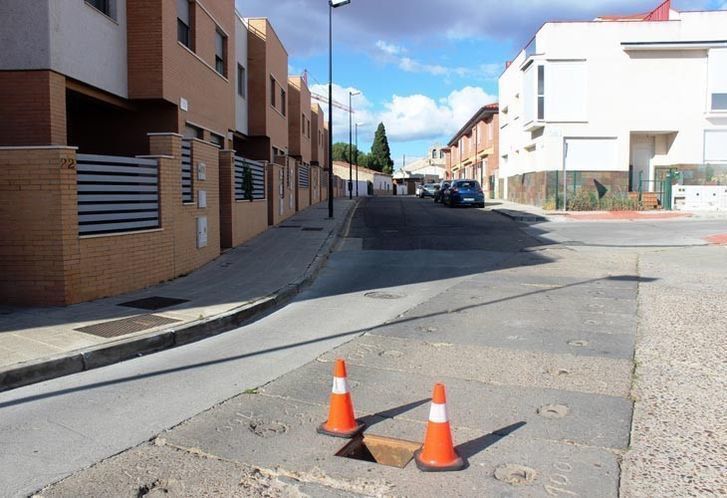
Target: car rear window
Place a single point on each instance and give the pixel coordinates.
(468, 185)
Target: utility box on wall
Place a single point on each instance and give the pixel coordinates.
(201, 232)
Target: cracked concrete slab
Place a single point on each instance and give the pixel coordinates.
(591, 419)
(497, 366)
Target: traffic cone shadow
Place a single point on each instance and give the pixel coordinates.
(341, 419)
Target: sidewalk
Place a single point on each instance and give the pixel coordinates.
(41, 343)
(528, 213)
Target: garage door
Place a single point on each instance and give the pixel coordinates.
(590, 154)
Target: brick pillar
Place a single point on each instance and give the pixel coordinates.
(227, 197)
(32, 108)
(39, 255)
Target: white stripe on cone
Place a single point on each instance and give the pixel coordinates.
(340, 386)
(438, 413)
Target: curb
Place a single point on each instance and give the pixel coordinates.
(519, 216)
(142, 345)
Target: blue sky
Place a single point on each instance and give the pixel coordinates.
(422, 66)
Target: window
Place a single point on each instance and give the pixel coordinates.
(541, 92)
(104, 6)
(218, 140)
(184, 35)
(191, 131)
(241, 81)
(283, 101)
(272, 91)
(220, 52)
(717, 68)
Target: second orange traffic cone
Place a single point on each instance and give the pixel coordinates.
(341, 419)
(438, 454)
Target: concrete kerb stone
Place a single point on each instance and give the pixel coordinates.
(170, 337)
(519, 216)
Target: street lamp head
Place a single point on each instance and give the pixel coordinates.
(339, 3)
(353, 94)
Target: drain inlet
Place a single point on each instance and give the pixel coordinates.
(380, 449)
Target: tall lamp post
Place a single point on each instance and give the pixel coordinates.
(332, 4)
(350, 150)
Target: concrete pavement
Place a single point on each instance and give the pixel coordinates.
(534, 339)
(41, 343)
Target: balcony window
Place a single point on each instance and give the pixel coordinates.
(220, 52)
(184, 33)
(104, 6)
(541, 92)
(283, 101)
(241, 81)
(272, 91)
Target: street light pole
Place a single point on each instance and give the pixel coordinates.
(332, 4)
(356, 158)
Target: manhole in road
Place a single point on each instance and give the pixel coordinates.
(553, 411)
(383, 295)
(515, 475)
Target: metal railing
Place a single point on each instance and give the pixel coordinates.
(117, 194)
(187, 190)
(252, 188)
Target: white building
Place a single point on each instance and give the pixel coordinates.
(430, 168)
(616, 102)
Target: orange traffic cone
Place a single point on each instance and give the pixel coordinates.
(341, 420)
(437, 454)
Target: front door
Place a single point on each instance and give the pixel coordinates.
(642, 154)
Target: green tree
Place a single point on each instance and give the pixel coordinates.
(380, 152)
(340, 152)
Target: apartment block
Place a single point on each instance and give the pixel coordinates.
(473, 150)
(300, 136)
(616, 105)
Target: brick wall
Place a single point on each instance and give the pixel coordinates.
(537, 187)
(315, 185)
(32, 108)
(240, 221)
(37, 213)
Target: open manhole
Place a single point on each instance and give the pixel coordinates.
(116, 328)
(379, 449)
(153, 303)
(383, 295)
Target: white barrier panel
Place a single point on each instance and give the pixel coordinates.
(699, 197)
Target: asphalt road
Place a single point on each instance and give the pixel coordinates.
(534, 338)
(59, 427)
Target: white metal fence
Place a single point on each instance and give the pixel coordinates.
(117, 194)
(304, 176)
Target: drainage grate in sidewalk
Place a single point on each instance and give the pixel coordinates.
(289, 226)
(154, 303)
(117, 328)
(312, 229)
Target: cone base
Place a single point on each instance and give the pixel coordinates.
(342, 434)
(457, 464)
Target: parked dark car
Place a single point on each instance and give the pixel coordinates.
(464, 193)
(429, 190)
(438, 195)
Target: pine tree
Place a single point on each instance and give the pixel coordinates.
(380, 152)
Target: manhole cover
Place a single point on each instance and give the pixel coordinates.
(126, 326)
(383, 295)
(154, 303)
(516, 475)
(578, 343)
(267, 429)
(553, 411)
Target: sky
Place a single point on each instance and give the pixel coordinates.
(423, 67)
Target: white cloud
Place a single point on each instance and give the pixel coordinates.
(419, 117)
(389, 48)
(408, 117)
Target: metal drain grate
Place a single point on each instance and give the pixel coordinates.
(154, 303)
(312, 229)
(288, 226)
(117, 328)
